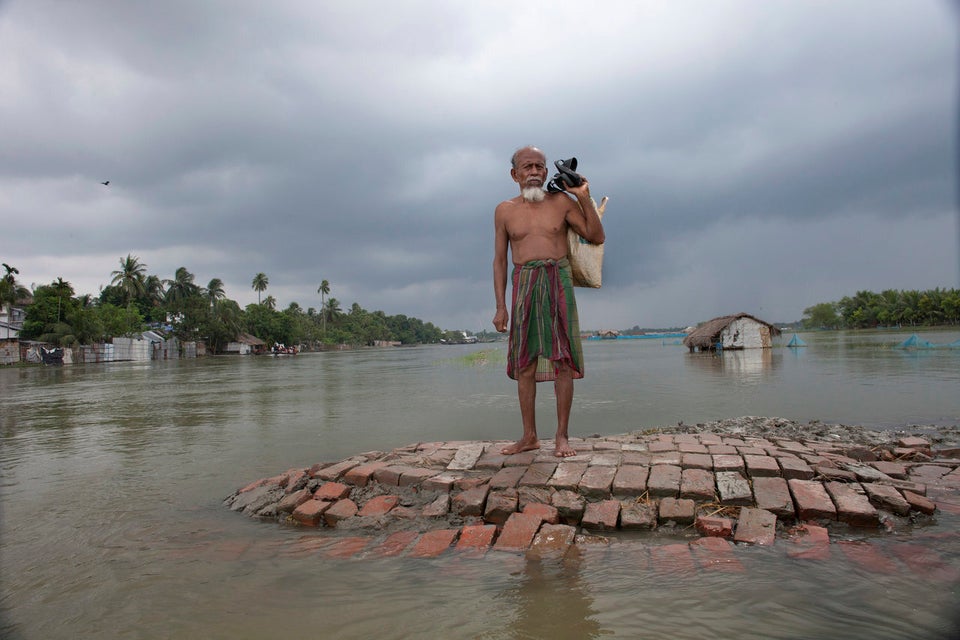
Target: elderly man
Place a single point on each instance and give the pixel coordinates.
(544, 330)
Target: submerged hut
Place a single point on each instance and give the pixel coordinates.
(739, 331)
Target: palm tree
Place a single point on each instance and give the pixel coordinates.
(260, 282)
(10, 289)
(130, 278)
(270, 303)
(215, 292)
(181, 287)
(323, 290)
(332, 309)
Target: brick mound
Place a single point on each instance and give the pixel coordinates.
(422, 499)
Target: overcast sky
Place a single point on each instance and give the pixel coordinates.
(759, 156)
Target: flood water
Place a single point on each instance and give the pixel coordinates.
(113, 476)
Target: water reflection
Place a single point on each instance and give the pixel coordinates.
(749, 366)
(551, 600)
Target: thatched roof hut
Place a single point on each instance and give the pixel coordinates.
(739, 331)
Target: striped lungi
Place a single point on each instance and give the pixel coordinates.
(543, 326)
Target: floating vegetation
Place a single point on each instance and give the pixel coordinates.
(482, 358)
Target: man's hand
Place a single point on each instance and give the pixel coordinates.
(500, 321)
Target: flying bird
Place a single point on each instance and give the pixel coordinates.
(106, 184)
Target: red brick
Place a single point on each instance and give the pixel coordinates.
(331, 491)
(636, 515)
(379, 505)
(664, 480)
(361, 474)
(310, 512)
(433, 543)
(529, 495)
(601, 515)
(913, 442)
(680, 511)
(630, 480)
(476, 538)
(396, 543)
(809, 542)
(567, 475)
(892, 469)
(886, 497)
(500, 504)
(722, 450)
(715, 526)
(661, 447)
(294, 479)
(812, 500)
(927, 473)
(672, 558)
(672, 458)
(436, 509)
(868, 556)
(346, 547)
(773, 494)
(761, 466)
(553, 540)
(341, 510)
(722, 462)
(334, 471)
(507, 477)
(518, 532)
(389, 475)
(795, 468)
(569, 505)
(733, 488)
(697, 484)
(538, 474)
(691, 448)
(522, 459)
(441, 482)
(596, 481)
(919, 503)
(414, 477)
(294, 500)
(716, 554)
(697, 461)
(470, 502)
(756, 526)
(547, 513)
(853, 506)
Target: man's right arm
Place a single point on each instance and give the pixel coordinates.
(500, 245)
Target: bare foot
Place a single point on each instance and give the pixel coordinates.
(520, 446)
(563, 449)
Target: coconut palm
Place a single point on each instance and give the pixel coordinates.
(215, 292)
(130, 278)
(260, 282)
(270, 303)
(323, 290)
(332, 309)
(181, 287)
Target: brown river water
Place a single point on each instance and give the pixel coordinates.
(113, 476)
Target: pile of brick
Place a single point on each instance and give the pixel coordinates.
(741, 488)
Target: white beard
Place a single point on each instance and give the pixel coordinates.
(533, 194)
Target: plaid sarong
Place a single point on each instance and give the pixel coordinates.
(543, 326)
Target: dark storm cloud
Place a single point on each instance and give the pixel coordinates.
(367, 144)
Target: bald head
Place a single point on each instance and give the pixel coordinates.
(523, 150)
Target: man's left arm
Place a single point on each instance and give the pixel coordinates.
(585, 219)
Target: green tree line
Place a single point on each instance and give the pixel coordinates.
(135, 300)
(888, 308)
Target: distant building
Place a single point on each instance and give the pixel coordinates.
(739, 331)
(245, 344)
